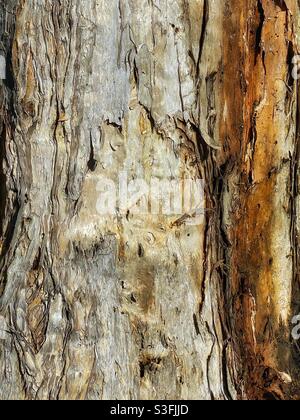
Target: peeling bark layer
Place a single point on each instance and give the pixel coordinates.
(131, 307)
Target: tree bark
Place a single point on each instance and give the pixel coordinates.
(132, 307)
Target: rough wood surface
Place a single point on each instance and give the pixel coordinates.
(129, 307)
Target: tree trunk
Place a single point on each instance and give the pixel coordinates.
(132, 306)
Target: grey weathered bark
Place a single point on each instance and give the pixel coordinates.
(132, 307)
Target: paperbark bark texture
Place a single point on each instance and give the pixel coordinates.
(130, 307)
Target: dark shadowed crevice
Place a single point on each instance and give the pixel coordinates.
(259, 30)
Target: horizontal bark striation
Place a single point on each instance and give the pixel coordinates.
(129, 307)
